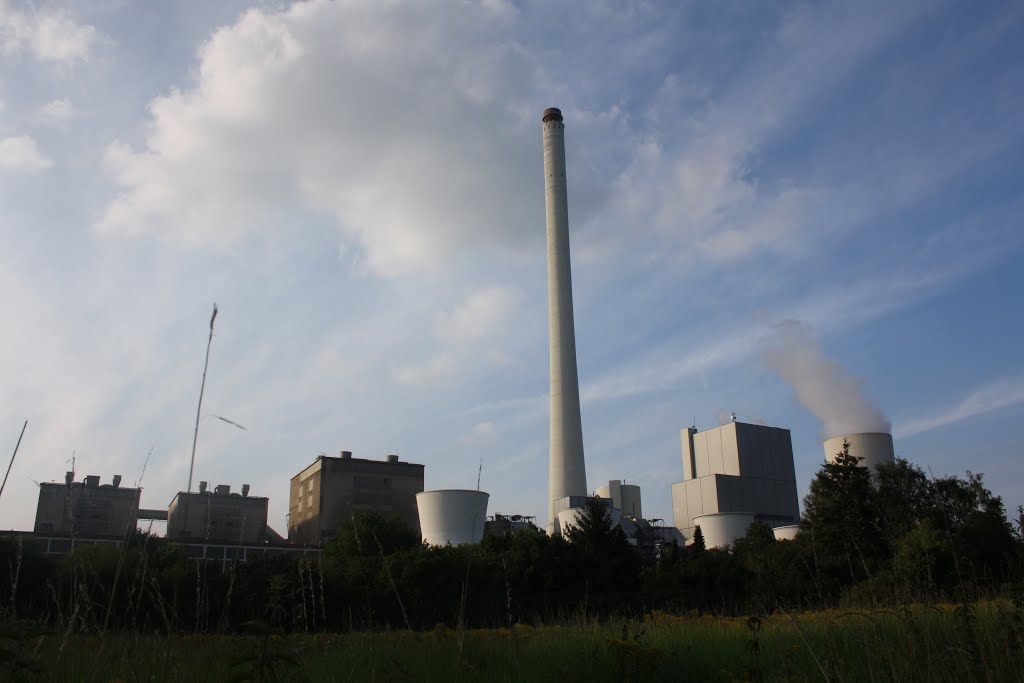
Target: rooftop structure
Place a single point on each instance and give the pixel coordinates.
(328, 492)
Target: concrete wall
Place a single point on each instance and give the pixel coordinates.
(217, 517)
(326, 494)
(739, 468)
(86, 510)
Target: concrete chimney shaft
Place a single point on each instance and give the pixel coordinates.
(567, 470)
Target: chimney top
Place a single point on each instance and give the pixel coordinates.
(552, 114)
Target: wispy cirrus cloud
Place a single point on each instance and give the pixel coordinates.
(996, 395)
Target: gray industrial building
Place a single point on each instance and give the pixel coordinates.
(328, 492)
(737, 467)
(86, 508)
(218, 516)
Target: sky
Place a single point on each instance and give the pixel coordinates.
(806, 213)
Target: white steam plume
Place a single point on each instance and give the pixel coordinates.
(822, 385)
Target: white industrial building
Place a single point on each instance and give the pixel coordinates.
(737, 467)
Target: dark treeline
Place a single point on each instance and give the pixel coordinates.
(900, 537)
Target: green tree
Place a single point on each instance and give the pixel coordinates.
(843, 522)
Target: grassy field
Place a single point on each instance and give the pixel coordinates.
(981, 642)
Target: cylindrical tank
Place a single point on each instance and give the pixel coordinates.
(786, 533)
(454, 516)
(874, 447)
(722, 528)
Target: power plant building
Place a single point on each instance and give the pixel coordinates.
(218, 516)
(567, 469)
(737, 467)
(87, 508)
(327, 493)
(624, 497)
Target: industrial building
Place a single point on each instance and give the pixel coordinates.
(737, 467)
(86, 508)
(873, 448)
(566, 467)
(328, 492)
(218, 516)
(624, 497)
(505, 525)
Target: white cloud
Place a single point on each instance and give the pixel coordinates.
(400, 122)
(438, 368)
(57, 112)
(49, 35)
(22, 154)
(479, 433)
(479, 316)
(999, 394)
(469, 332)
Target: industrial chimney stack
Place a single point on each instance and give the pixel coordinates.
(567, 468)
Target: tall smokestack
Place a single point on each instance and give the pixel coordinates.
(568, 474)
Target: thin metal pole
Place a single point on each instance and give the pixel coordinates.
(199, 409)
(11, 463)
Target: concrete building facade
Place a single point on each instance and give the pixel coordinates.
(217, 516)
(86, 508)
(328, 492)
(737, 467)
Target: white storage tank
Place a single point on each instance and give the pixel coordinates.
(454, 516)
(786, 533)
(720, 529)
(874, 447)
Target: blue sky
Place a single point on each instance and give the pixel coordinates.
(358, 186)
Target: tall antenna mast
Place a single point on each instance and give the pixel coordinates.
(479, 471)
(199, 408)
(18, 445)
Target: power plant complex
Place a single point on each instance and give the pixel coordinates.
(732, 475)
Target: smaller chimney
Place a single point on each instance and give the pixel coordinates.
(392, 458)
(92, 480)
(245, 490)
(116, 480)
(202, 487)
(69, 478)
(346, 455)
(222, 489)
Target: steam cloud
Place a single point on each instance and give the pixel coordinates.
(823, 386)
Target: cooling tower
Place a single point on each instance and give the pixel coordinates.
(722, 528)
(874, 447)
(452, 516)
(786, 533)
(567, 471)
(572, 515)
